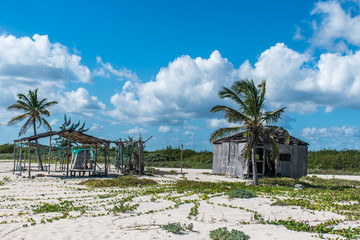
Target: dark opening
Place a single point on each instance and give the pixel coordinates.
(285, 157)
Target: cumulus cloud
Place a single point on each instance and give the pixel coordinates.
(190, 134)
(298, 82)
(219, 123)
(28, 63)
(106, 70)
(164, 129)
(135, 130)
(80, 101)
(333, 137)
(96, 127)
(187, 88)
(330, 132)
(336, 27)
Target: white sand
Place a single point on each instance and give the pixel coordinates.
(19, 196)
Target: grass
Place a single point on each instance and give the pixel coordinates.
(332, 172)
(122, 182)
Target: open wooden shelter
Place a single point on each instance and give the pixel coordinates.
(71, 136)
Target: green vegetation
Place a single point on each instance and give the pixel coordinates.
(333, 160)
(64, 206)
(171, 157)
(121, 181)
(241, 193)
(177, 228)
(224, 234)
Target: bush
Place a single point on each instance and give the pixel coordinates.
(241, 193)
(224, 234)
(177, 227)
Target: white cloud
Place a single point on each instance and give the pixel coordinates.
(135, 130)
(164, 129)
(54, 122)
(80, 102)
(187, 88)
(337, 26)
(220, 123)
(298, 35)
(190, 134)
(28, 63)
(105, 69)
(332, 137)
(330, 132)
(96, 127)
(294, 80)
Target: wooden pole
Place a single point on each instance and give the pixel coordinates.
(96, 156)
(21, 158)
(181, 160)
(105, 159)
(49, 157)
(68, 158)
(140, 145)
(122, 157)
(29, 160)
(14, 157)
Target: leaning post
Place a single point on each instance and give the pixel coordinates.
(181, 160)
(14, 156)
(29, 160)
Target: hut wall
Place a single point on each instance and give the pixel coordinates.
(297, 166)
(227, 159)
(299, 161)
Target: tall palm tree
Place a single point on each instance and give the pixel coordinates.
(251, 115)
(33, 111)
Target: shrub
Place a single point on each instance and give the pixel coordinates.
(176, 228)
(224, 234)
(241, 193)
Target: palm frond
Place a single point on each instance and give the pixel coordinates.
(223, 133)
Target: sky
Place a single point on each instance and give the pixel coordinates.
(155, 67)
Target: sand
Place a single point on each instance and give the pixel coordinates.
(20, 196)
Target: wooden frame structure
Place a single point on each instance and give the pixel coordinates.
(72, 136)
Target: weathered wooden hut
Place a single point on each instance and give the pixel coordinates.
(228, 158)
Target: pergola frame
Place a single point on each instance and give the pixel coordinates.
(73, 136)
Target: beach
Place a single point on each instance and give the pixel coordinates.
(89, 215)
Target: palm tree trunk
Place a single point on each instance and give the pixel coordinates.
(254, 167)
(38, 151)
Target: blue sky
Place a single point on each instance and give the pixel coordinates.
(155, 67)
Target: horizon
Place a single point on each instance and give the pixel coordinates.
(155, 68)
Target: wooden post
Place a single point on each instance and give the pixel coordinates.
(140, 145)
(105, 160)
(181, 161)
(96, 155)
(68, 158)
(49, 157)
(29, 160)
(21, 158)
(14, 157)
(122, 157)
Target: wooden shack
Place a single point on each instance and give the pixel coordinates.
(228, 157)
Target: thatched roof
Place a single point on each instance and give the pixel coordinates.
(70, 135)
(263, 139)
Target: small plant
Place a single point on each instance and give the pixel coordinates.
(172, 227)
(224, 234)
(176, 228)
(241, 193)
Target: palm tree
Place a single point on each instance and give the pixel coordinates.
(33, 111)
(69, 126)
(252, 116)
